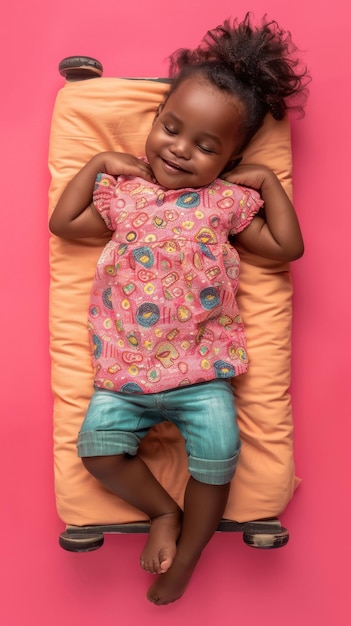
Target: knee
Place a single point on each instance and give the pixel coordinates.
(219, 449)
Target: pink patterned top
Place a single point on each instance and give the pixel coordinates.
(163, 311)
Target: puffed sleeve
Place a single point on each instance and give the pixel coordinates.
(103, 194)
(247, 206)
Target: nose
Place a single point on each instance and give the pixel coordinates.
(180, 147)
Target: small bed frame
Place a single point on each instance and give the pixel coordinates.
(264, 534)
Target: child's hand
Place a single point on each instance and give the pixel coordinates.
(75, 215)
(274, 233)
(116, 163)
(249, 175)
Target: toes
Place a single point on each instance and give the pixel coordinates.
(148, 567)
(159, 564)
(154, 598)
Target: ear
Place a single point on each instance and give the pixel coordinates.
(159, 110)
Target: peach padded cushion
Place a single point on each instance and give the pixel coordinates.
(115, 114)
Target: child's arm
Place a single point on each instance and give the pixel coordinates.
(75, 215)
(276, 234)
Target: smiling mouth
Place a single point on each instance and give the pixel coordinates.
(174, 167)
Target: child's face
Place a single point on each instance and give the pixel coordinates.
(195, 134)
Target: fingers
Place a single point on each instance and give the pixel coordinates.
(117, 163)
(146, 172)
(248, 175)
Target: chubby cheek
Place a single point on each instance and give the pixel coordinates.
(148, 148)
(208, 170)
(154, 143)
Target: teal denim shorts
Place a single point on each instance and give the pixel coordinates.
(205, 414)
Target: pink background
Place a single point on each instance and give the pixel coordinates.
(303, 583)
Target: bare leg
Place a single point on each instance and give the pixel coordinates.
(203, 509)
(129, 477)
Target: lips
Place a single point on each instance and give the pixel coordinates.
(170, 165)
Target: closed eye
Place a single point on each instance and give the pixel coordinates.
(206, 149)
(170, 130)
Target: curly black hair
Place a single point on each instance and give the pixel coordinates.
(256, 63)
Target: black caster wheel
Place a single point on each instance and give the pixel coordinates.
(80, 68)
(80, 541)
(266, 538)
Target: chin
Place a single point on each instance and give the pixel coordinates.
(170, 183)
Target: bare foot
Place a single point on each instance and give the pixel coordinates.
(170, 586)
(161, 545)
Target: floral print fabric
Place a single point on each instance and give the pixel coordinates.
(163, 311)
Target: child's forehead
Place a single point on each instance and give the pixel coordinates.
(198, 94)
